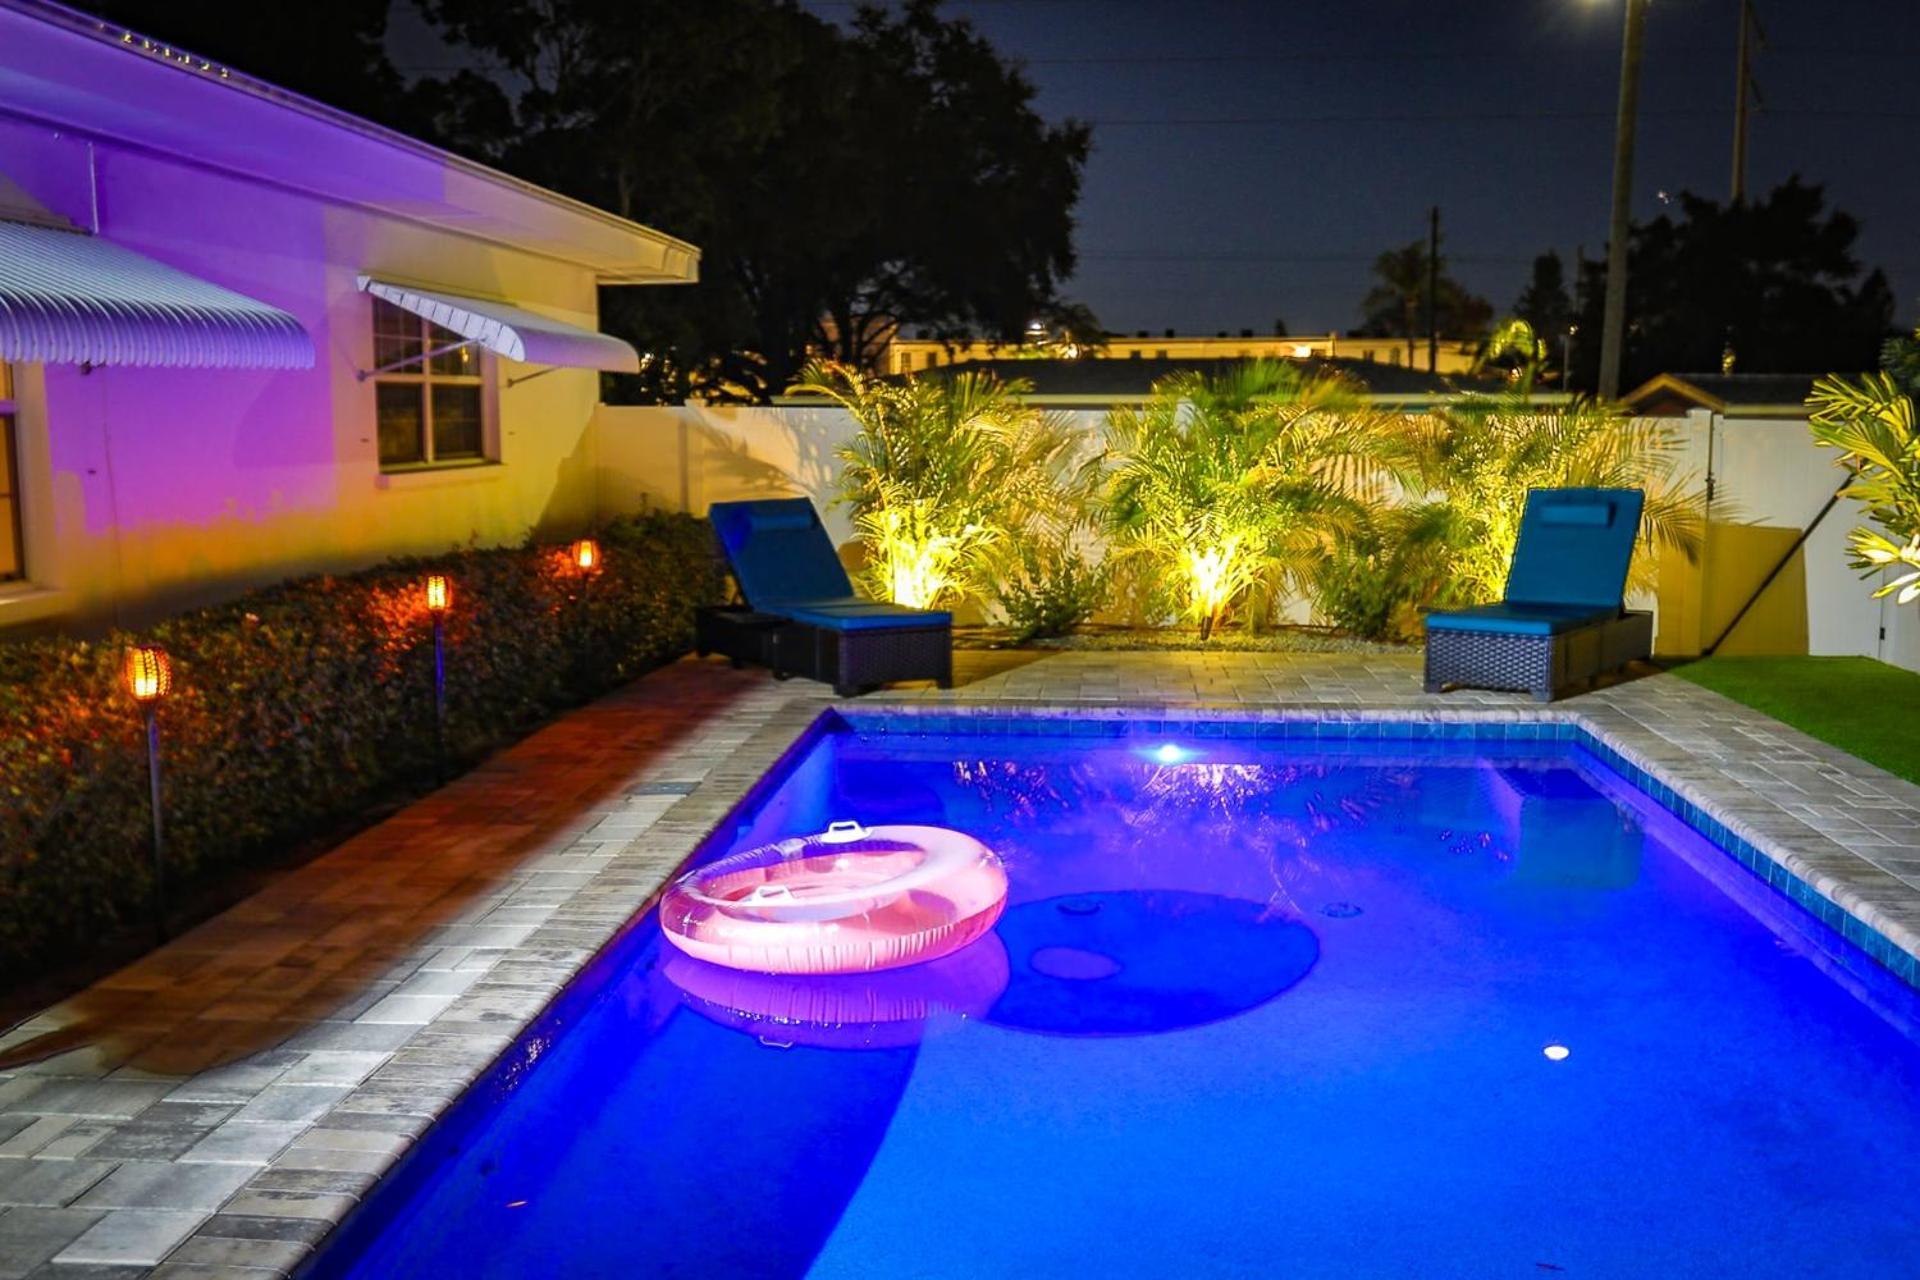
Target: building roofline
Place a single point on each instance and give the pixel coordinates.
(1678, 386)
(135, 44)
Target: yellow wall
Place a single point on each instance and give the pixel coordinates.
(1699, 601)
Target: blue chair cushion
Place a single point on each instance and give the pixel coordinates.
(862, 615)
(1574, 547)
(1521, 619)
(779, 550)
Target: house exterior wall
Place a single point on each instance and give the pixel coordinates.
(149, 490)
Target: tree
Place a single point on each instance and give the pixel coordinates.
(1545, 304)
(1396, 306)
(940, 473)
(841, 183)
(1232, 486)
(1773, 282)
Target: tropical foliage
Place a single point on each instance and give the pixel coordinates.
(943, 474)
(1222, 495)
(1234, 486)
(1477, 460)
(1871, 423)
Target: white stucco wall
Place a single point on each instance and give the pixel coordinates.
(1767, 470)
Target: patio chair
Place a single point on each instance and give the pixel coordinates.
(800, 615)
(1563, 619)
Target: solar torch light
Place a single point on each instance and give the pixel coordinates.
(149, 678)
(584, 555)
(439, 600)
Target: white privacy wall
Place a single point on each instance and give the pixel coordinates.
(1766, 469)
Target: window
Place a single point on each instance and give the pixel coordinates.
(13, 555)
(430, 412)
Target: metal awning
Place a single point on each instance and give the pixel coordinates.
(510, 331)
(71, 298)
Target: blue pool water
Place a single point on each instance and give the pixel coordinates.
(1261, 1008)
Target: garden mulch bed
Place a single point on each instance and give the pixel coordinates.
(1119, 639)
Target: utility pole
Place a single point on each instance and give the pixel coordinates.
(1433, 290)
(1746, 93)
(1614, 321)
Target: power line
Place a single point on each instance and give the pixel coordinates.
(1345, 258)
(1474, 117)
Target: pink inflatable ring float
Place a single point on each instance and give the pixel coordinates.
(850, 900)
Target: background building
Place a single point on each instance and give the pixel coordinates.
(1456, 356)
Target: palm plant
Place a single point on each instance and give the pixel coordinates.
(939, 473)
(1478, 459)
(1871, 422)
(1240, 483)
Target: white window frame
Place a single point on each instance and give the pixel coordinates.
(420, 375)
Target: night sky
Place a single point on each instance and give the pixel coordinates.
(1251, 157)
(1317, 132)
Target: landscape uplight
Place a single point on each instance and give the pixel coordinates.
(586, 555)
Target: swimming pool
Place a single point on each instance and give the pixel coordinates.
(1394, 1006)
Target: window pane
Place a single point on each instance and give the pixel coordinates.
(463, 363)
(396, 334)
(12, 562)
(456, 421)
(397, 405)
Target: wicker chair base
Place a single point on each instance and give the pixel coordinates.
(1540, 665)
(851, 661)
(855, 661)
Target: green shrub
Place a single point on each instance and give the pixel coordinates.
(299, 704)
(1049, 589)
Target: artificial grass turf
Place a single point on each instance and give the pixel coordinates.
(1866, 708)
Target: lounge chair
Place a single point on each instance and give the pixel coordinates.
(800, 615)
(1563, 619)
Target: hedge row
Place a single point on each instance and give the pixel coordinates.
(300, 704)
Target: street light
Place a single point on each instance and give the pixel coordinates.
(149, 679)
(1614, 318)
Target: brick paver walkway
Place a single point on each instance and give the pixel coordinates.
(214, 1108)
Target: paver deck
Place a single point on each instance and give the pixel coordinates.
(214, 1108)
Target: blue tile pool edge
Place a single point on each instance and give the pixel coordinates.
(1885, 941)
(328, 1254)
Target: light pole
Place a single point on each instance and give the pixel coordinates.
(1614, 320)
(149, 675)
